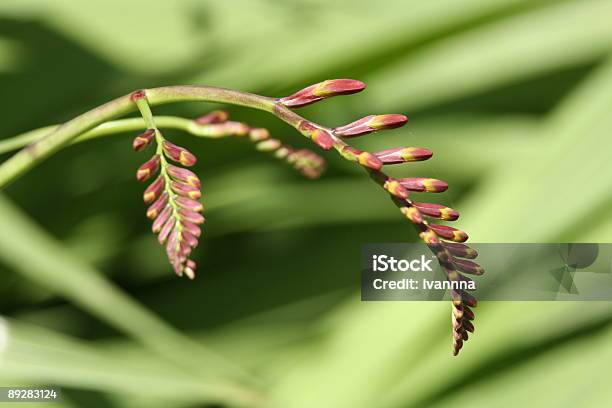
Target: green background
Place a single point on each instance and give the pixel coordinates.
(514, 97)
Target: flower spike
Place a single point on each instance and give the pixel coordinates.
(173, 197)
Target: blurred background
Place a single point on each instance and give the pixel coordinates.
(514, 97)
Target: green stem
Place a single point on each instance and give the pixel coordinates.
(33, 154)
(111, 128)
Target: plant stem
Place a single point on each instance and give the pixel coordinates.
(33, 154)
(111, 128)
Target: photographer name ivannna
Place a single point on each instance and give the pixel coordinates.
(416, 284)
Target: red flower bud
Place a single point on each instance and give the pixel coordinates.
(468, 266)
(424, 184)
(189, 239)
(186, 190)
(429, 237)
(179, 154)
(191, 216)
(412, 214)
(369, 160)
(161, 219)
(148, 168)
(143, 140)
(184, 175)
(190, 204)
(437, 211)
(166, 230)
(403, 154)
(325, 89)
(394, 187)
(154, 190)
(460, 250)
(217, 116)
(371, 124)
(322, 139)
(155, 208)
(192, 228)
(450, 233)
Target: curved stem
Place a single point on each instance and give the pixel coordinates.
(64, 134)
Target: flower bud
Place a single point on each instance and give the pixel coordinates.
(421, 184)
(394, 187)
(282, 152)
(186, 190)
(470, 267)
(191, 216)
(460, 250)
(143, 140)
(190, 204)
(468, 313)
(148, 168)
(325, 89)
(189, 239)
(179, 154)
(184, 175)
(369, 160)
(403, 154)
(154, 190)
(259, 134)
(192, 228)
(412, 214)
(166, 230)
(218, 116)
(461, 296)
(429, 237)
(322, 139)
(437, 211)
(190, 268)
(161, 219)
(268, 145)
(371, 124)
(155, 208)
(450, 233)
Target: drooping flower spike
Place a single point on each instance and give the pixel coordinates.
(444, 241)
(174, 196)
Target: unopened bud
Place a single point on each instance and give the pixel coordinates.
(179, 154)
(437, 211)
(371, 124)
(422, 184)
(403, 154)
(148, 168)
(325, 89)
(450, 233)
(218, 116)
(143, 140)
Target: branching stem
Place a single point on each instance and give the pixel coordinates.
(33, 154)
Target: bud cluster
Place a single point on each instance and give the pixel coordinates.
(444, 241)
(173, 196)
(173, 199)
(305, 161)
